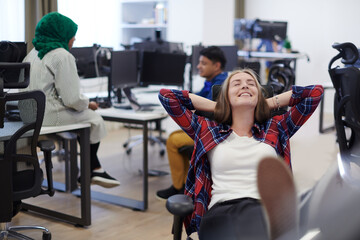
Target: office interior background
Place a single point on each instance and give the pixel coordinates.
(313, 26)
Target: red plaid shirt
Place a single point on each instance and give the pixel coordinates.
(207, 134)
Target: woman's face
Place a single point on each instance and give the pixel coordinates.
(71, 42)
(243, 90)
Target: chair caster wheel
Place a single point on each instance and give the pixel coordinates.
(128, 151)
(125, 145)
(162, 152)
(46, 236)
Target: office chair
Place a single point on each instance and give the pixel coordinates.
(333, 204)
(281, 76)
(138, 139)
(254, 65)
(21, 176)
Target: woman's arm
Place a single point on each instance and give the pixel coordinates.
(201, 103)
(67, 83)
(279, 101)
(180, 106)
(303, 102)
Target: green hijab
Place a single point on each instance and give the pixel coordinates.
(53, 31)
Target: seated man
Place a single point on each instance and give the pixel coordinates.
(211, 65)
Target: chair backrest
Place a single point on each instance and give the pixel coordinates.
(281, 76)
(20, 174)
(346, 81)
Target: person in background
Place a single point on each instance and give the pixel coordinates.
(222, 179)
(211, 66)
(53, 71)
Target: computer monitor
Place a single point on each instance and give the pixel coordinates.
(85, 60)
(231, 57)
(12, 51)
(195, 55)
(250, 28)
(13, 74)
(162, 69)
(243, 28)
(159, 46)
(273, 30)
(124, 68)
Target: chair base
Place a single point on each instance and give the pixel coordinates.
(12, 232)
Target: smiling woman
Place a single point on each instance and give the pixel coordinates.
(222, 175)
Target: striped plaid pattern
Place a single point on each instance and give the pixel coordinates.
(207, 134)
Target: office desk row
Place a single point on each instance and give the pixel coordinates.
(85, 193)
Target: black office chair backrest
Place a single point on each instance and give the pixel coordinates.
(20, 173)
(346, 81)
(281, 76)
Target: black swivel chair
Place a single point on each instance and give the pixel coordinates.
(332, 206)
(281, 76)
(21, 176)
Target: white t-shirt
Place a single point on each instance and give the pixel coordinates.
(233, 165)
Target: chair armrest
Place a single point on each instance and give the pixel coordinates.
(47, 146)
(180, 205)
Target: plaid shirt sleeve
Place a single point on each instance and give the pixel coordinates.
(179, 107)
(303, 103)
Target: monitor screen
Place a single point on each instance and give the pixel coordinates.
(249, 28)
(231, 57)
(85, 60)
(13, 73)
(124, 67)
(159, 46)
(12, 51)
(272, 30)
(162, 69)
(243, 28)
(195, 55)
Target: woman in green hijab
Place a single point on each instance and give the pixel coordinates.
(53, 70)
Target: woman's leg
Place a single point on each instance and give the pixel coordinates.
(94, 160)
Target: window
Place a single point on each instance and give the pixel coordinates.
(12, 20)
(98, 21)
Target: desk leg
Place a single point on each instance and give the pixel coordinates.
(85, 176)
(145, 165)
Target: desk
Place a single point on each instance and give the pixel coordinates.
(83, 129)
(271, 55)
(143, 118)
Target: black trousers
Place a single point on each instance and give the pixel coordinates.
(241, 218)
(94, 160)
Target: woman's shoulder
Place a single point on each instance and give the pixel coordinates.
(60, 53)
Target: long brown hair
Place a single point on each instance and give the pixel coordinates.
(223, 114)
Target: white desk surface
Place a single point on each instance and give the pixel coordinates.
(132, 115)
(54, 129)
(11, 127)
(275, 55)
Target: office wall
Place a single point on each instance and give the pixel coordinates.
(207, 21)
(313, 26)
